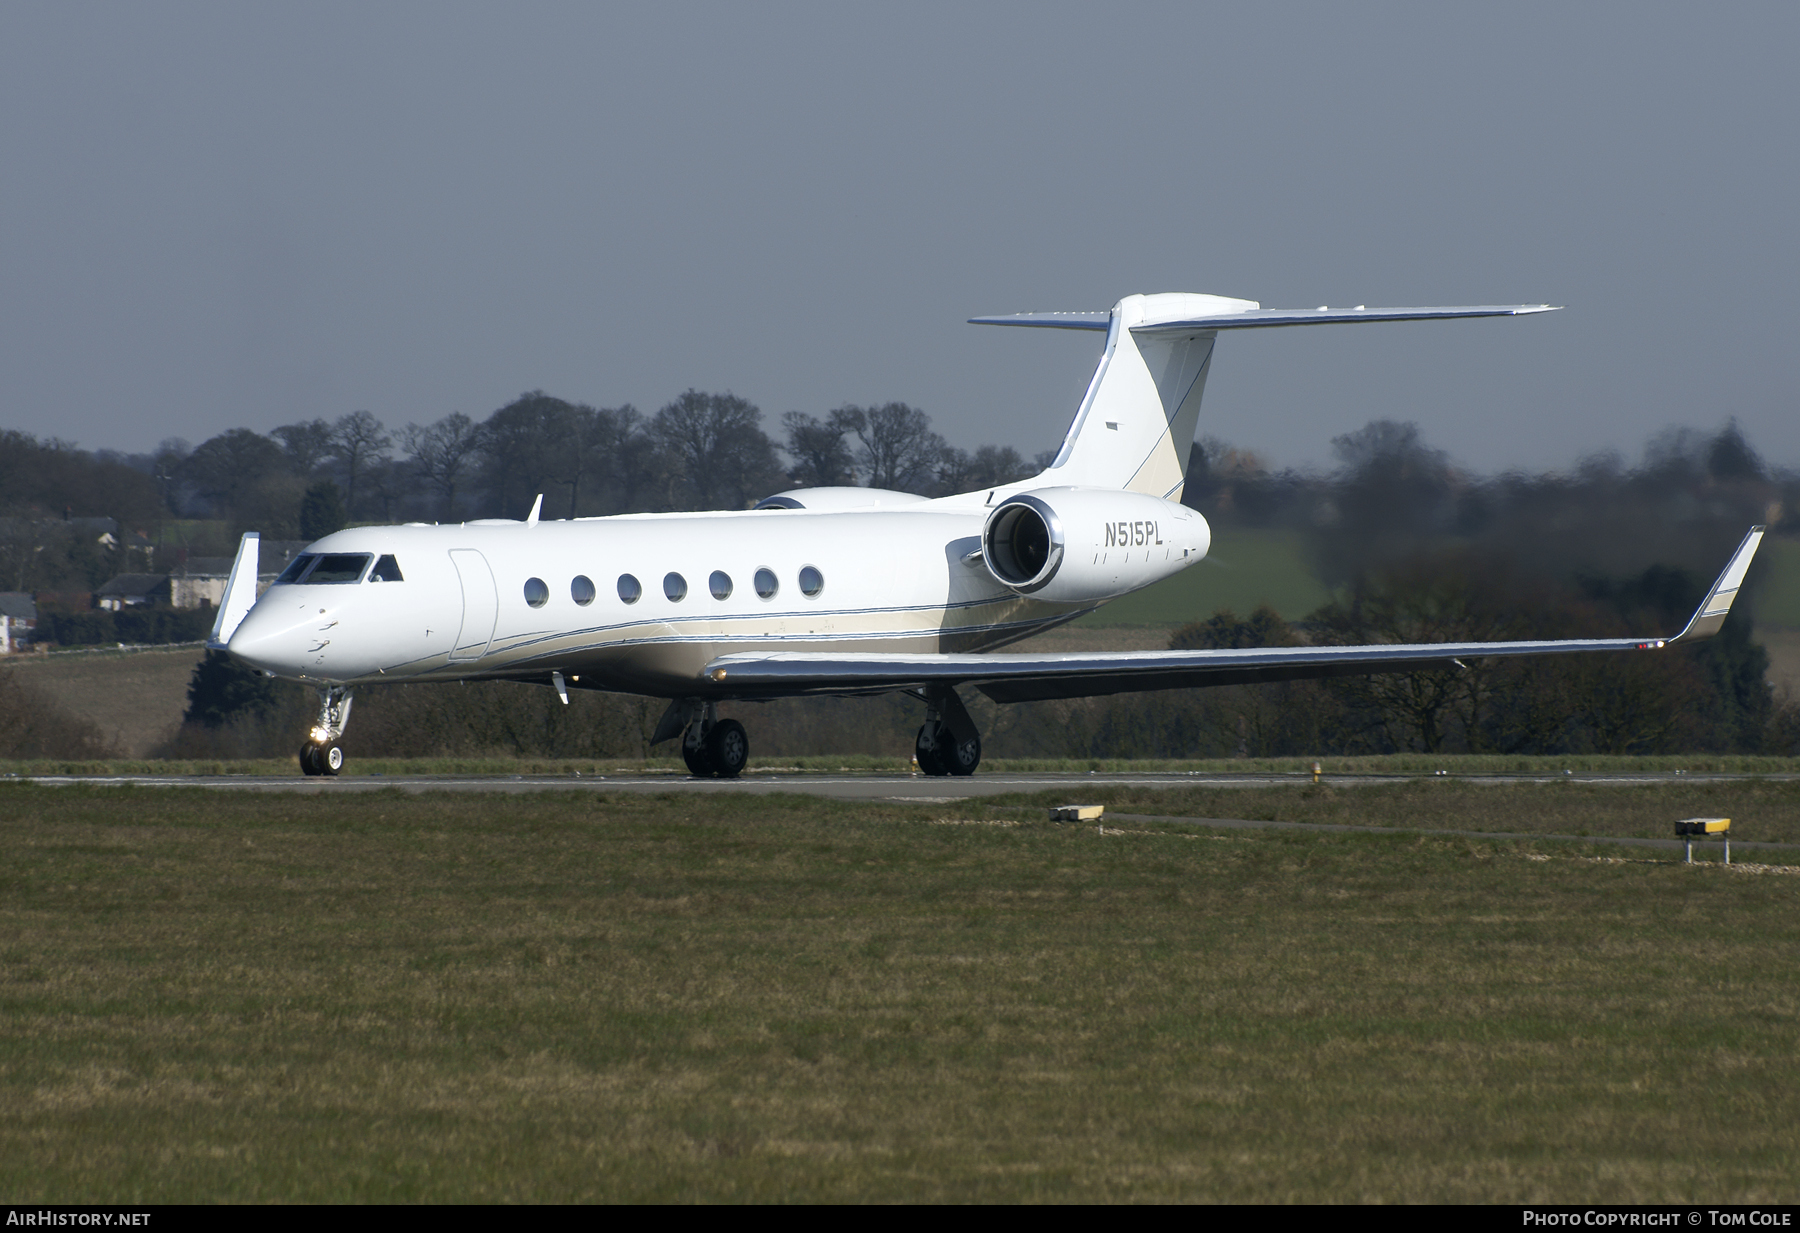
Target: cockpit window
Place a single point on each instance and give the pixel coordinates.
(338, 567)
(298, 566)
(386, 570)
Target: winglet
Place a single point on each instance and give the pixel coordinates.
(240, 592)
(1717, 605)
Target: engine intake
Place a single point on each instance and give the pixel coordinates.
(1023, 543)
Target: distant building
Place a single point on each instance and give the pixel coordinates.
(199, 582)
(132, 591)
(18, 621)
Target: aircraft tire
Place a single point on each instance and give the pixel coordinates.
(331, 759)
(930, 756)
(699, 764)
(309, 759)
(963, 758)
(728, 748)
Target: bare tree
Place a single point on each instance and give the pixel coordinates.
(306, 444)
(444, 455)
(718, 454)
(820, 453)
(899, 450)
(358, 440)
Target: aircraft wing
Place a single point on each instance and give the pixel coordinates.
(1022, 678)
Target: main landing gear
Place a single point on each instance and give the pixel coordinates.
(322, 755)
(949, 743)
(709, 745)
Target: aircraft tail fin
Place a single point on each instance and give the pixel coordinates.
(1135, 426)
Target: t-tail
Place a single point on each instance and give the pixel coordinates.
(1136, 424)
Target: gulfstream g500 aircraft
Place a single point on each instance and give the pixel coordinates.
(830, 590)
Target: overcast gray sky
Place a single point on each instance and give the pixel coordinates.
(224, 215)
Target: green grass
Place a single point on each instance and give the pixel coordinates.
(212, 996)
(1245, 569)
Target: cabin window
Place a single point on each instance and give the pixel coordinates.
(536, 593)
(297, 568)
(719, 584)
(386, 570)
(675, 587)
(339, 567)
(766, 583)
(811, 581)
(582, 590)
(630, 589)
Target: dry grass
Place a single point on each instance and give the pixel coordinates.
(135, 698)
(214, 996)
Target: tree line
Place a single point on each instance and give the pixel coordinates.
(306, 479)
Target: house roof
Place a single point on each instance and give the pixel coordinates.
(133, 584)
(19, 605)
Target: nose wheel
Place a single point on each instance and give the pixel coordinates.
(322, 755)
(316, 759)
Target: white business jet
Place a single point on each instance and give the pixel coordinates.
(830, 590)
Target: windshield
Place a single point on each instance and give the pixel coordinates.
(338, 567)
(297, 567)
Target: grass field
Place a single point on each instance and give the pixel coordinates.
(1246, 568)
(220, 996)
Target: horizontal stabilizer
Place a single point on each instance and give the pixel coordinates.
(1023, 678)
(1263, 318)
(1051, 321)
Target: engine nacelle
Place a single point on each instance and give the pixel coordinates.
(1071, 545)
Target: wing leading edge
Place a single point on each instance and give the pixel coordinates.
(1024, 678)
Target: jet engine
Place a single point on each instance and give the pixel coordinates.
(1074, 545)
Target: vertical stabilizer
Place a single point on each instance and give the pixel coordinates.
(1136, 425)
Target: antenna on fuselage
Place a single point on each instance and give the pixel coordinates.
(537, 507)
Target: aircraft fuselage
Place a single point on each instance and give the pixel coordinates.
(641, 603)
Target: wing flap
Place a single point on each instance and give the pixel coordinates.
(1019, 677)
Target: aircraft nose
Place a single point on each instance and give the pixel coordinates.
(266, 640)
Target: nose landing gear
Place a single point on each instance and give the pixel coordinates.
(322, 755)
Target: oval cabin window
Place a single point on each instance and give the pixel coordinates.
(719, 584)
(630, 589)
(536, 593)
(811, 581)
(675, 587)
(766, 584)
(582, 590)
